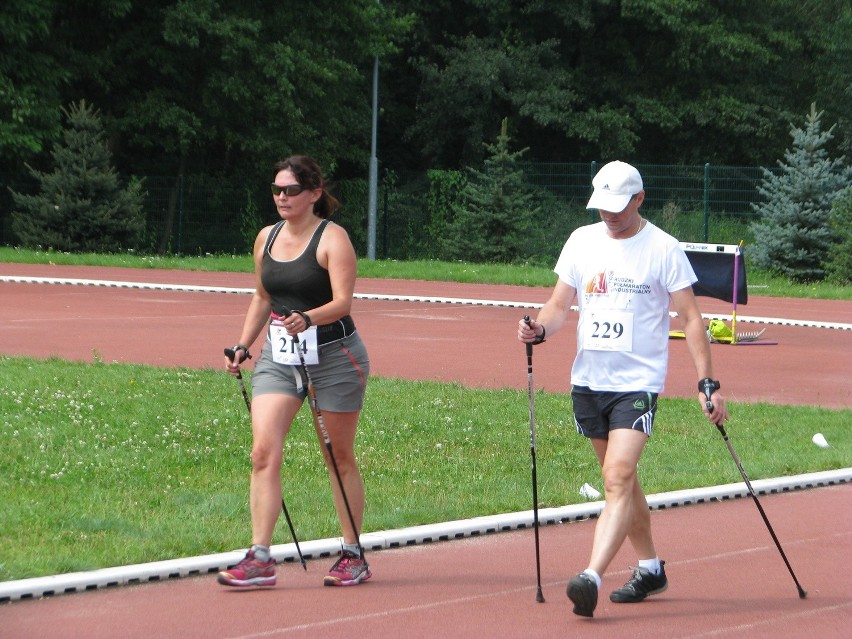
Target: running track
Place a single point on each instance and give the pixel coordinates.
(727, 577)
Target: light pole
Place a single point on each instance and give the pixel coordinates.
(374, 169)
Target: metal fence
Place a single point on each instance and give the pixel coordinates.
(694, 203)
(201, 215)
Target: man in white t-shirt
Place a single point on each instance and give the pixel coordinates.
(624, 273)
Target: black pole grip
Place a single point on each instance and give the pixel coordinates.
(231, 354)
(708, 389)
(529, 346)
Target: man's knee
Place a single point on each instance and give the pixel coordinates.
(619, 477)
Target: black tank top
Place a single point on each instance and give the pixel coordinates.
(299, 284)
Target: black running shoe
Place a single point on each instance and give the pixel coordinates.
(583, 591)
(640, 585)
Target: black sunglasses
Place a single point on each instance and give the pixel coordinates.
(290, 190)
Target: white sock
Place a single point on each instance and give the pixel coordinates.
(261, 553)
(593, 575)
(651, 565)
(353, 548)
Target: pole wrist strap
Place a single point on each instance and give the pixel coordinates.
(708, 384)
(306, 317)
(242, 347)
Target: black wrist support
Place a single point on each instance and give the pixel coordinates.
(708, 386)
(232, 352)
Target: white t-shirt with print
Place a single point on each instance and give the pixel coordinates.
(623, 289)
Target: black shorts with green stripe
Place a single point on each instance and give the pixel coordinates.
(596, 413)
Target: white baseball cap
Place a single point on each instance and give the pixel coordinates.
(614, 184)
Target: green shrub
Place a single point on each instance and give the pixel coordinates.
(839, 265)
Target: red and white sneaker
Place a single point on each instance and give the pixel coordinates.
(249, 572)
(349, 570)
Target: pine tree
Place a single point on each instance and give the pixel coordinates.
(793, 236)
(493, 216)
(80, 205)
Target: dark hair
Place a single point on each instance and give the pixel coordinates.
(309, 175)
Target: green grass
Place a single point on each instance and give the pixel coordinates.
(515, 274)
(225, 263)
(115, 464)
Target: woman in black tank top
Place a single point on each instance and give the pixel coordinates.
(305, 269)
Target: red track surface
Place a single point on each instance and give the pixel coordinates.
(473, 345)
(726, 580)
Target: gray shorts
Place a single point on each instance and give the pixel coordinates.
(598, 412)
(340, 378)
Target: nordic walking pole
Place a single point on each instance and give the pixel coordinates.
(709, 387)
(231, 354)
(539, 597)
(315, 409)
